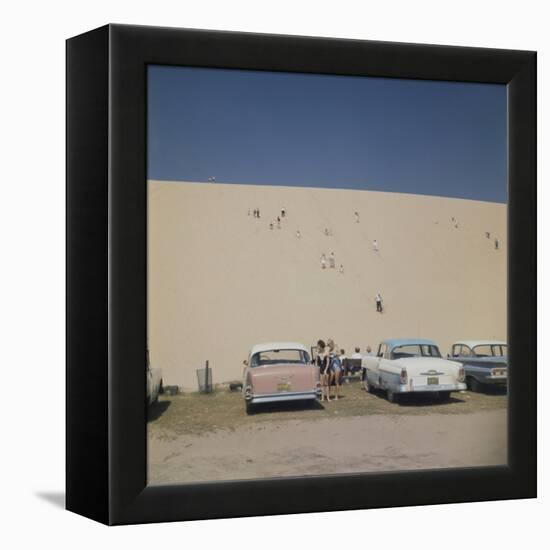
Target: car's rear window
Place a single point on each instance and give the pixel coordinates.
(491, 350)
(278, 356)
(415, 350)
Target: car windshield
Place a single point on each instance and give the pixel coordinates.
(415, 350)
(491, 350)
(278, 356)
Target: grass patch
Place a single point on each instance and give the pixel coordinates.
(224, 410)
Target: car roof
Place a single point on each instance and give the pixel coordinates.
(474, 343)
(270, 346)
(394, 342)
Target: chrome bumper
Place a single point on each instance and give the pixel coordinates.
(283, 396)
(459, 386)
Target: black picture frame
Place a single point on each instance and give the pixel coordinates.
(106, 274)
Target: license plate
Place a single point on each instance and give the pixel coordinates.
(283, 386)
(433, 380)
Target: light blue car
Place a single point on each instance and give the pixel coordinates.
(485, 362)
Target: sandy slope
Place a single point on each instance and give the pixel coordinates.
(221, 280)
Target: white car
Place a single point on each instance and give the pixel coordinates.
(154, 382)
(411, 366)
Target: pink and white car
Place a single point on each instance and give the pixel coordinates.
(279, 371)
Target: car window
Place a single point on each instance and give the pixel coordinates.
(273, 357)
(499, 350)
(415, 350)
(483, 350)
(465, 351)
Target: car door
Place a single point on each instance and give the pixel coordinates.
(373, 366)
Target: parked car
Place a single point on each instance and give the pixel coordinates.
(154, 382)
(485, 362)
(411, 366)
(279, 371)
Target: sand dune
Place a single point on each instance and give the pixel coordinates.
(219, 280)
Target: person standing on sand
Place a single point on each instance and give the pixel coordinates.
(487, 234)
(258, 211)
(321, 360)
(341, 269)
(335, 368)
(496, 244)
(378, 299)
(332, 261)
(283, 212)
(356, 217)
(375, 245)
(323, 261)
(369, 351)
(278, 222)
(271, 225)
(298, 234)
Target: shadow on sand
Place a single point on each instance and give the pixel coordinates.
(157, 409)
(288, 406)
(421, 399)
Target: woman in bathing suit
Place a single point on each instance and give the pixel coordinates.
(322, 362)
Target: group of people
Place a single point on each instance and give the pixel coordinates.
(332, 367)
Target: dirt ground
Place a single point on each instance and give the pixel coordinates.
(196, 437)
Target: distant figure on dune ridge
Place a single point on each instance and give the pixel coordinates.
(283, 212)
(332, 261)
(341, 269)
(298, 234)
(375, 245)
(356, 217)
(323, 261)
(496, 244)
(378, 299)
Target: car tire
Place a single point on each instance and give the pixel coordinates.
(392, 396)
(474, 385)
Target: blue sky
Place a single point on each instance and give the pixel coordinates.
(254, 127)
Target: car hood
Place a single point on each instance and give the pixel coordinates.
(425, 365)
